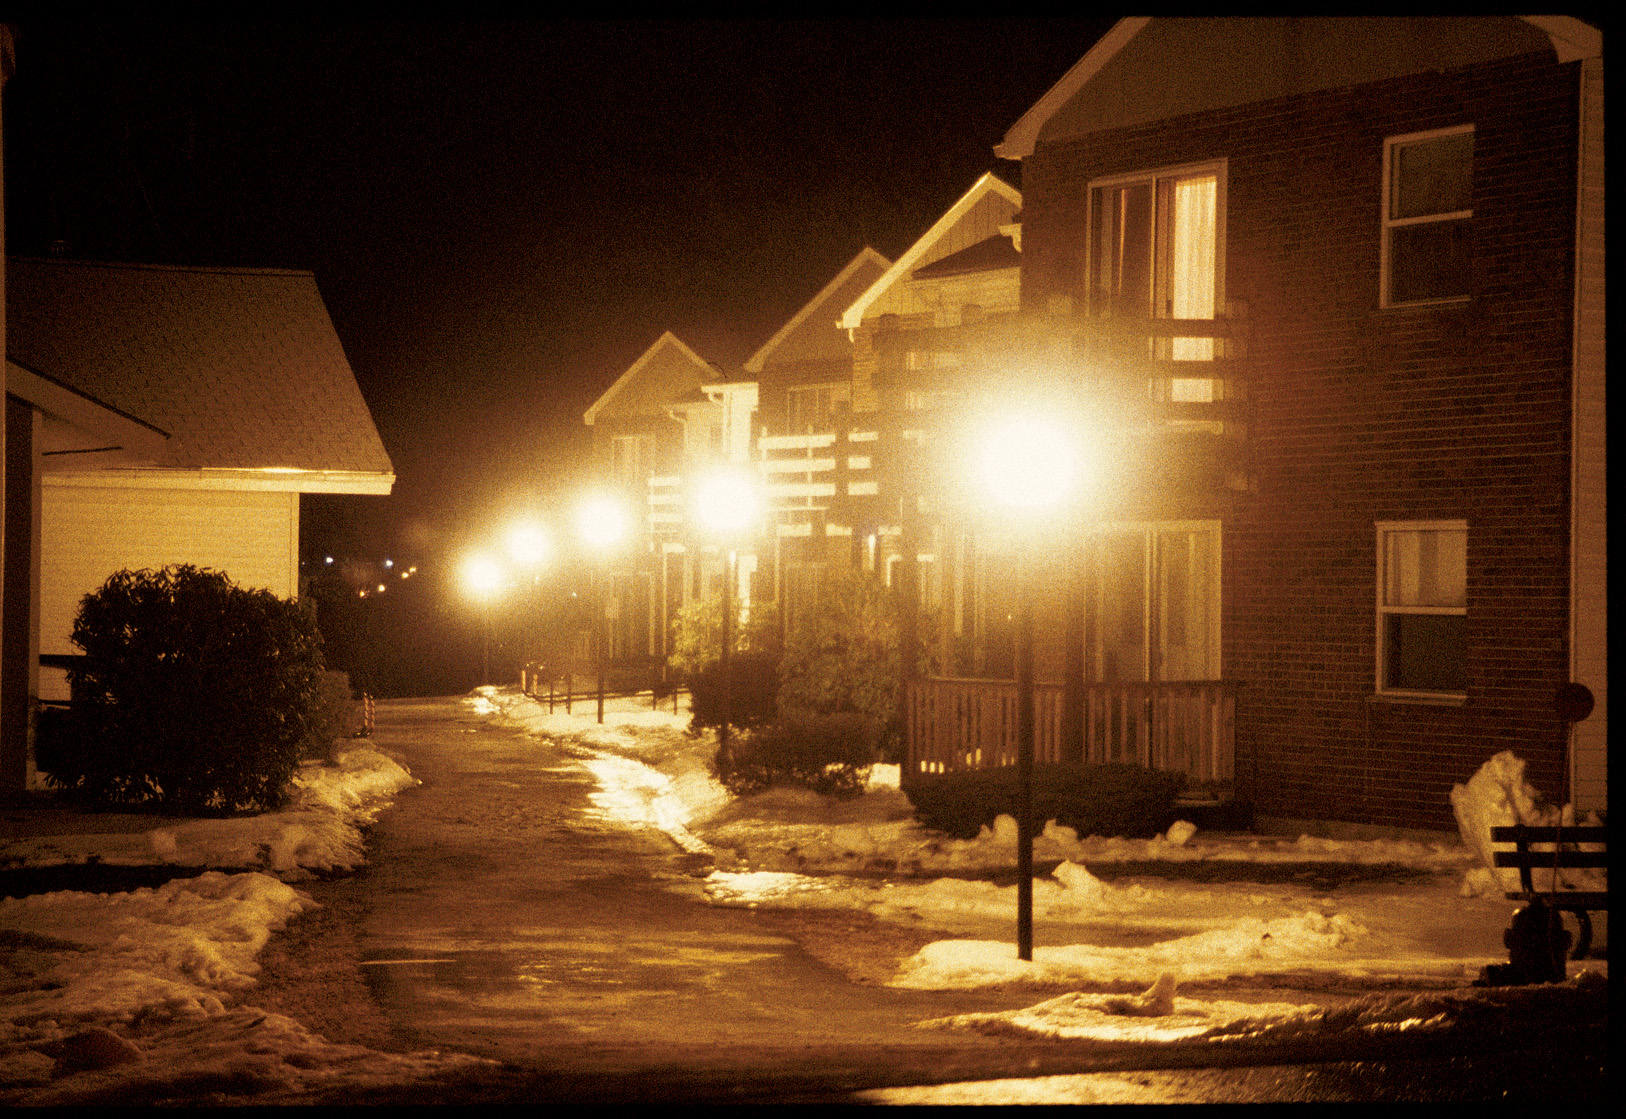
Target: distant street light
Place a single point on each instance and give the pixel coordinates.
(1029, 464)
(727, 503)
(603, 523)
(483, 578)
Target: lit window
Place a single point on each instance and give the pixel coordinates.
(1155, 242)
(1427, 213)
(1422, 607)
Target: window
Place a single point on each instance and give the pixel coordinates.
(1153, 611)
(1155, 246)
(1427, 214)
(1422, 607)
(811, 408)
(631, 459)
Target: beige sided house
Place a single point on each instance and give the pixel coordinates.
(173, 415)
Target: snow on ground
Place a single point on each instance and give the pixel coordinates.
(1430, 919)
(179, 961)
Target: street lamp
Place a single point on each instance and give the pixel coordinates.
(727, 503)
(603, 523)
(1029, 464)
(483, 577)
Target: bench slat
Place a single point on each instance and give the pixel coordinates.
(1563, 899)
(1529, 833)
(1542, 860)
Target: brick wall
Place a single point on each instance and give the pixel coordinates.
(1363, 414)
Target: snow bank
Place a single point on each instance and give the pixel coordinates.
(1497, 795)
(170, 951)
(320, 830)
(1159, 1016)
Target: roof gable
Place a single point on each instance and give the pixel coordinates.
(665, 373)
(1153, 69)
(990, 203)
(814, 332)
(241, 368)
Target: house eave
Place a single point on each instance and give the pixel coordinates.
(263, 480)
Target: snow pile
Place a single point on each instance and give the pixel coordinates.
(1160, 1016)
(1251, 946)
(170, 951)
(1499, 796)
(169, 966)
(320, 830)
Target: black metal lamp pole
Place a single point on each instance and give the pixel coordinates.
(1024, 765)
(599, 634)
(724, 668)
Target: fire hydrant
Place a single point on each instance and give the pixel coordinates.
(1537, 945)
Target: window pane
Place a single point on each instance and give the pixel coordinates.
(1433, 176)
(1426, 567)
(1429, 261)
(1123, 250)
(1190, 262)
(1426, 652)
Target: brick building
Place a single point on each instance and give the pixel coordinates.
(1399, 224)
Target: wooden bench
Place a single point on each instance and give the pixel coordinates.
(1565, 853)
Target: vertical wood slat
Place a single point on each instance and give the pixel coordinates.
(955, 725)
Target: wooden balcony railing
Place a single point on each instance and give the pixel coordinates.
(1186, 726)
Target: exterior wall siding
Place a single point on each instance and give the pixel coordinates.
(89, 532)
(1362, 414)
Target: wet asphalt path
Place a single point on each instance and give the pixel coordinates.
(505, 916)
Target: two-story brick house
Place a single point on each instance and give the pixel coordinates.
(1390, 457)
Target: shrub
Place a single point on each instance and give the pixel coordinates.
(336, 715)
(843, 657)
(1105, 800)
(829, 754)
(193, 694)
(697, 634)
(697, 644)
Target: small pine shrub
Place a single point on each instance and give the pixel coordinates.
(1106, 800)
(753, 685)
(193, 695)
(829, 754)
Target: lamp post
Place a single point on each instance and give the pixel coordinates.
(603, 523)
(1028, 465)
(483, 577)
(726, 503)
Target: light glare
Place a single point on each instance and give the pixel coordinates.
(726, 502)
(602, 522)
(1028, 462)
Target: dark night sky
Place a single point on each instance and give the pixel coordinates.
(502, 217)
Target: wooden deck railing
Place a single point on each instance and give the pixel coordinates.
(1186, 726)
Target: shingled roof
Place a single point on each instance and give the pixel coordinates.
(240, 367)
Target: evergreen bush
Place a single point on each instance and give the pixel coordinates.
(1106, 800)
(193, 695)
(829, 754)
(843, 657)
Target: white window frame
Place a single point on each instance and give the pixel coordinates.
(1389, 223)
(1384, 611)
(1218, 168)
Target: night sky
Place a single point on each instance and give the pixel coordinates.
(502, 217)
